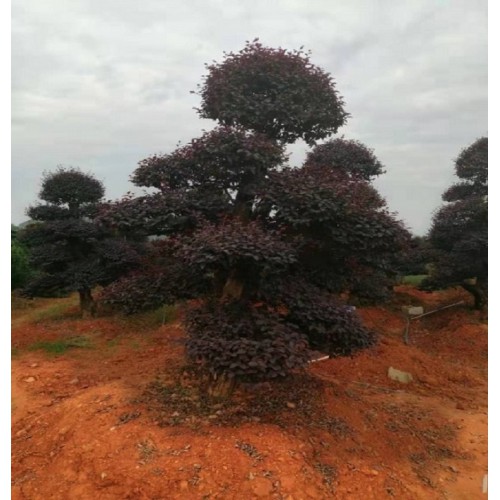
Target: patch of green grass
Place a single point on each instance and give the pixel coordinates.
(414, 279)
(14, 352)
(111, 346)
(58, 347)
(113, 342)
(161, 316)
(52, 313)
(135, 344)
(18, 303)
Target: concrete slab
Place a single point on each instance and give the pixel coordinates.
(399, 375)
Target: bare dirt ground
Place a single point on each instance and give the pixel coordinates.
(105, 409)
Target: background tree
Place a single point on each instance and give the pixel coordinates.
(416, 257)
(20, 267)
(72, 252)
(264, 246)
(459, 231)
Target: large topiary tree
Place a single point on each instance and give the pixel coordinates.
(459, 231)
(72, 252)
(264, 246)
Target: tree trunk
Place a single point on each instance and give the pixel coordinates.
(477, 292)
(87, 303)
(233, 288)
(245, 197)
(221, 387)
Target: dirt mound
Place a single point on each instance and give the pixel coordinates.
(118, 415)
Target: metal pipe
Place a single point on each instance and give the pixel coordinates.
(436, 310)
(406, 333)
(407, 330)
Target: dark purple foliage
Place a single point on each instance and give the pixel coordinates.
(247, 343)
(349, 156)
(70, 187)
(314, 196)
(340, 226)
(140, 292)
(161, 278)
(415, 257)
(261, 244)
(236, 244)
(221, 160)
(156, 214)
(276, 92)
(327, 323)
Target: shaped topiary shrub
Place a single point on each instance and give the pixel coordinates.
(262, 247)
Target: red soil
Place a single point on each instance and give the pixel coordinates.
(122, 419)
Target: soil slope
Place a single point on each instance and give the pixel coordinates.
(106, 408)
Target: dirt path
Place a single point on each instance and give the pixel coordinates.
(121, 418)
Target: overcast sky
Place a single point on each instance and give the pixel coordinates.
(103, 84)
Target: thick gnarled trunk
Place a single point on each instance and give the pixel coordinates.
(87, 304)
(233, 288)
(478, 291)
(221, 387)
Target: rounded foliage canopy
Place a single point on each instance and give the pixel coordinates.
(70, 186)
(220, 159)
(472, 163)
(276, 92)
(459, 232)
(471, 167)
(349, 156)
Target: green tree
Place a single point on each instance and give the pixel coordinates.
(72, 252)
(459, 231)
(19, 263)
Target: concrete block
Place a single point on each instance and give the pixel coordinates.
(413, 310)
(399, 375)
